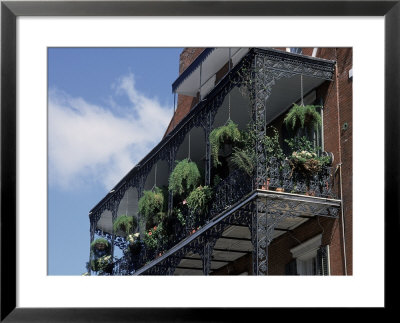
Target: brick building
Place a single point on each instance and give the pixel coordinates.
(274, 220)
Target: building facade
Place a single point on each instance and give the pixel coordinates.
(269, 134)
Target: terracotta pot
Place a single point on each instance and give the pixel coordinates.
(280, 189)
(266, 185)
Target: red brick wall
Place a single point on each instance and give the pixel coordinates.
(337, 99)
(338, 109)
(279, 250)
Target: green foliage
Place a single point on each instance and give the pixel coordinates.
(100, 265)
(151, 206)
(244, 157)
(126, 224)
(272, 146)
(153, 237)
(299, 116)
(216, 180)
(184, 178)
(198, 200)
(225, 134)
(304, 156)
(135, 244)
(300, 144)
(100, 247)
(177, 212)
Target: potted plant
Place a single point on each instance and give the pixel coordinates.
(125, 224)
(274, 155)
(151, 206)
(135, 244)
(301, 116)
(102, 265)
(100, 247)
(184, 178)
(305, 159)
(153, 237)
(228, 134)
(198, 203)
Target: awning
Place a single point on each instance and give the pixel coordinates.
(204, 67)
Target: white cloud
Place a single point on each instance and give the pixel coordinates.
(90, 143)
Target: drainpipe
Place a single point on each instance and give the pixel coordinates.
(340, 165)
(342, 219)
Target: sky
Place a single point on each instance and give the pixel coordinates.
(107, 108)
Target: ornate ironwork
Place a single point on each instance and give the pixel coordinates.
(256, 74)
(230, 190)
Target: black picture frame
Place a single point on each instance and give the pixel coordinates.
(10, 10)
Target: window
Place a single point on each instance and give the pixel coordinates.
(295, 50)
(309, 258)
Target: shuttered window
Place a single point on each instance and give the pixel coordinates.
(309, 258)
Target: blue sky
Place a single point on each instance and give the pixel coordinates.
(107, 107)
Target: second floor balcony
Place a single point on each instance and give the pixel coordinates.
(247, 150)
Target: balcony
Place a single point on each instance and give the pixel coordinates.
(247, 206)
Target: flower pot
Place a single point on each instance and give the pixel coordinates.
(310, 193)
(280, 189)
(266, 185)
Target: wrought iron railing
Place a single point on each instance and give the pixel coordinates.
(229, 191)
(282, 176)
(268, 66)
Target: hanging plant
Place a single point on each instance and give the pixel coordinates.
(135, 244)
(227, 134)
(102, 264)
(151, 206)
(244, 159)
(199, 199)
(300, 116)
(126, 224)
(184, 178)
(244, 156)
(100, 247)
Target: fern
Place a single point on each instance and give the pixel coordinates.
(198, 200)
(151, 204)
(126, 224)
(100, 247)
(225, 134)
(244, 159)
(184, 178)
(299, 116)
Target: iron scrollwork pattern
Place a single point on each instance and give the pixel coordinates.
(257, 73)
